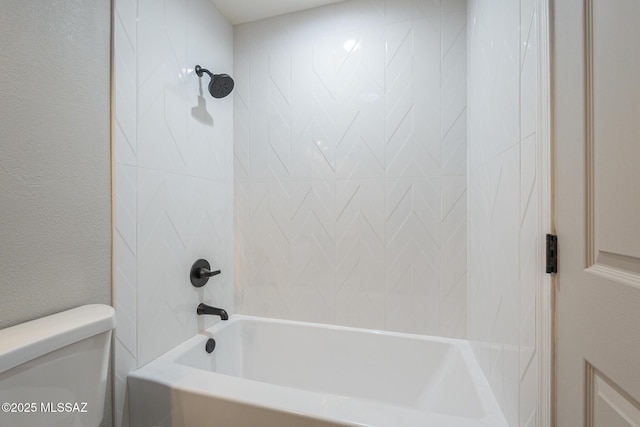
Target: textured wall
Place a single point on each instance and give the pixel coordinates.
(504, 217)
(173, 146)
(55, 224)
(350, 165)
(55, 180)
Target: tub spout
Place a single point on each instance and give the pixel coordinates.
(206, 309)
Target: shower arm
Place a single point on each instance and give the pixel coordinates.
(199, 70)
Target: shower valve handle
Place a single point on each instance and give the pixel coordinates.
(203, 272)
(200, 273)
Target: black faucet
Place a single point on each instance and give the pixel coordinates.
(206, 309)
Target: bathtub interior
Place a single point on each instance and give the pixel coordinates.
(428, 375)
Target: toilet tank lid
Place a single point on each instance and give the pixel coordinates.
(24, 342)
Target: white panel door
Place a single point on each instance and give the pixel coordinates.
(597, 148)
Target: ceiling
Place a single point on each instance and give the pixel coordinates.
(241, 11)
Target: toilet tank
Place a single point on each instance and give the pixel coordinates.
(53, 370)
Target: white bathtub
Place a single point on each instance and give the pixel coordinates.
(266, 372)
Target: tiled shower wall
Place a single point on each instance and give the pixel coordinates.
(173, 176)
(350, 165)
(504, 213)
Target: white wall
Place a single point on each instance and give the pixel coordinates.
(55, 180)
(173, 160)
(55, 210)
(350, 165)
(504, 200)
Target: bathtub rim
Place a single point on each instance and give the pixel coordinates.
(166, 371)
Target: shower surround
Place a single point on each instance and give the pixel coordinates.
(173, 177)
(505, 198)
(350, 166)
(347, 132)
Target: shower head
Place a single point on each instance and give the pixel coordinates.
(220, 85)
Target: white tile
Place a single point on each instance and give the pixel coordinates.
(529, 79)
(357, 15)
(360, 153)
(126, 14)
(358, 308)
(412, 310)
(125, 246)
(269, 247)
(503, 207)
(454, 234)
(453, 147)
(272, 32)
(406, 10)
(530, 241)
(360, 253)
(453, 311)
(314, 302)
(413, 256)
(399, 10)
(149, 32)
(372, 45)
(417, 198)
(126, 331)
(529, 394)
(313, 240)
(124, 363)
(309, 24)
(125, 97)
(360, 200)
(125, 209)
(175, 28)
(339, 136)
(267, 300)
(453, 6)
(156, 147)
(173, 176)
(454, 71)
(125, 145)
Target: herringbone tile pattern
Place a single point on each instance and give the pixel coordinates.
(173, 177)
(504, 215)
(349, 136)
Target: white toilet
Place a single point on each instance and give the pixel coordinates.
(53, 370)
